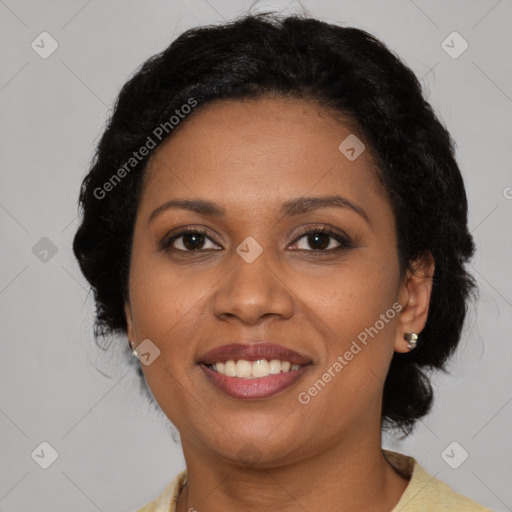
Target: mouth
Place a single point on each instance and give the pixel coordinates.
(261, 368)
(253, 371)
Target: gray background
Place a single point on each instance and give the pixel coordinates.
(114, 454)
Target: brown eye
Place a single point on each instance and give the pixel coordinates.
(323, 240)
(189, 240)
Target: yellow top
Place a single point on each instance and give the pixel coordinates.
(424, 492)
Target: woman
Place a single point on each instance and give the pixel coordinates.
(276, 221)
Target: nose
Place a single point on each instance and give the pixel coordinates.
(253, 291)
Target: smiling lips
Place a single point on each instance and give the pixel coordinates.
(253, 371)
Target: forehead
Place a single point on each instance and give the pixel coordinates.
(257, 152)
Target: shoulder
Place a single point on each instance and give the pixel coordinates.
(426, 493)
(166, 502)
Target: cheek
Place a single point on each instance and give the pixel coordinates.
(165, 299)
(350, 297)
(167, 306)
(353, 310)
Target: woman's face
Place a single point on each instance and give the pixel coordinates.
(255, 277)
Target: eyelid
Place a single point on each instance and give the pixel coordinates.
(344, 241)
(169, 238)
(323, 228)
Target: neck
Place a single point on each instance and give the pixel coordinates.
(347, 476)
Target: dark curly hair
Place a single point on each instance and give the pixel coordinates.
(344, 69)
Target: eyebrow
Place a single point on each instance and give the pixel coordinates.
(293, 207)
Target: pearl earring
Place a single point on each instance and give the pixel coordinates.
(412, 338)
(134, 352)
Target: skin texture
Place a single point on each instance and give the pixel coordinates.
(250, 157)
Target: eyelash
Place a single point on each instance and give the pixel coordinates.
(344, 241)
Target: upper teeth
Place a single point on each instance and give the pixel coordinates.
(253, 369)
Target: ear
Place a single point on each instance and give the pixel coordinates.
(130, 331)
(414, 297)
